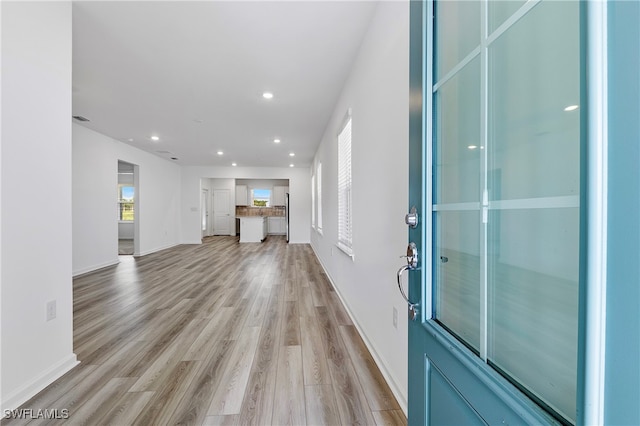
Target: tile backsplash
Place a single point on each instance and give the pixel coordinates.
(260, 211)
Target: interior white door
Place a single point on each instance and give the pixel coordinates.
(221, 212)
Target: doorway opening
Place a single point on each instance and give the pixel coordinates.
(204, 211)
(127, 212)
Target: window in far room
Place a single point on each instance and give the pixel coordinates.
(261, 197)
(126, 199)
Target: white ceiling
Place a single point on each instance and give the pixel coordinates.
(193, 73)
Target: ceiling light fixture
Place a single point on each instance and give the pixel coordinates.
(155, 138)
(220, 152)
(571, 108)
(267, 95)
(472, 146)
(290, 165)
(276, 141)
(234, 164)
(291, 154)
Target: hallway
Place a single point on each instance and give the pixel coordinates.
(218, 333)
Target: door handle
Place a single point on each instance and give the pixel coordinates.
(412, 264)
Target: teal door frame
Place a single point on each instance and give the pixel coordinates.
(612, 371)
(622, 338)
(609, 375)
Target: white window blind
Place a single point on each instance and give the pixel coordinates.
(319, 186)
(313, 201)
(345, 217)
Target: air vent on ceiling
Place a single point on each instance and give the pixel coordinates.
(80, 118)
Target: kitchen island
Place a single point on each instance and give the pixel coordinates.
(253, 229)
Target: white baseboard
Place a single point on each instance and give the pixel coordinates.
(168, 246)
(395, 389)
(302, 242)
(93, 268)
(28, 391)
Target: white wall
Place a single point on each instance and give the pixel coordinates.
(95, 179)
(300, 196)
(126, 230)
(36, 197)
(378, 94)
(262, 184)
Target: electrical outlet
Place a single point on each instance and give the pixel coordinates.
(395, 318)
(51, 310)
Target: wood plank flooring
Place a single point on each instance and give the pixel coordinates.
(217, 334)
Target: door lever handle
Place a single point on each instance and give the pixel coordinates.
(413, 307)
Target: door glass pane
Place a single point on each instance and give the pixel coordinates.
(457, 269)
(500, 10)
(451, 44)
(533, 301)
(534, 75)
(533, 245)
(457, 140)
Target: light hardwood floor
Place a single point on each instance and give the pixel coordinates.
(218, 333)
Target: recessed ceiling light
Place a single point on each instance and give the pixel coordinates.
(220, 152)
(291, 154)
(290, 165)
(267, 95)
(155, 138)
(472, 146)
(276, 141)
(234, 164)
(130, 139)
(571, 108)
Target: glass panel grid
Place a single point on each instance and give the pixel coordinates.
(528, 162)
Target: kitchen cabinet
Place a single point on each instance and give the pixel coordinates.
(253, 229)
(242, 198)
(277, 226)
(279, 195)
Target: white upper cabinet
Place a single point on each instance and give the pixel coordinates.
(278, 195)
(241, 195)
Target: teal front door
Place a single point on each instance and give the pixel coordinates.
(497, 175)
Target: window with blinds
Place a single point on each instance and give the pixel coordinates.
(345, 216)
(313, 201)
(319, 189)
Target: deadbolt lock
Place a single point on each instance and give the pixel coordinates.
(411, 218)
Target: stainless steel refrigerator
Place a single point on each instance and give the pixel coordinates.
(286, 213)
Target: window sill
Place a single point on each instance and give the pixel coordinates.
(126, 221)
(346, 250)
